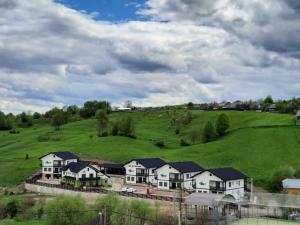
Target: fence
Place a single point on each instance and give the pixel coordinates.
(34, 180)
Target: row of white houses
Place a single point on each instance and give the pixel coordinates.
(187, 176)
(155, 172)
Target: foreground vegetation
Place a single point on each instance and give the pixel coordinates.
(255, 143)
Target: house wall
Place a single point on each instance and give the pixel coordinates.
(202, 182)
(292, 191)
(131, 167)
(163, 176)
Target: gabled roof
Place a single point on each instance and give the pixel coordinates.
(63, 155)
(291, 183)
(227, 173)
(112, 165)
(186, 167)
(75, 167)
(150, 162)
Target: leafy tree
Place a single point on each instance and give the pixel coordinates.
(268, 100)
(209, 133)
(184, 143)
(102, 119)
(24, 120)
(127, 128)
(68, 210)
(190, 105)
(115, 128)
(58, 120)
(109, 203)
(222, 124)
(36, 115)
(90, 108)
(5, 124)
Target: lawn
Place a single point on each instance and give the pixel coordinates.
(256, 144)
(16, 222)
(259, 221)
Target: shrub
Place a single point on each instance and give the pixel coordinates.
(222, 124)
(14, 131)
(209, 133)
(184, 143)
(159, 143)
(2, 211)
(72, 210)
(12, 208)
(279, 175)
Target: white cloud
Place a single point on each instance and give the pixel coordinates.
(52, 55)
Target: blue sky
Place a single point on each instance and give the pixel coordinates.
(209, 50)
(109, 10)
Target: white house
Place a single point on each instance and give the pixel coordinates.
(177, 175)
(226, 181)
(142, 171)
(53, 162)
(82, 174)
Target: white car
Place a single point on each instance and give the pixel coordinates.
(126, 189)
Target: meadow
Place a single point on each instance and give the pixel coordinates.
(257, 143)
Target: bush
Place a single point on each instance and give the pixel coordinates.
(159, 143)
(12, 208)
(2, 211)
(14, 131)
(184, 143)
(71, 210)
(279, 175)
(209, 133)
(222, 124)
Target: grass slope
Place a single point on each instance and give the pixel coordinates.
(257, 143)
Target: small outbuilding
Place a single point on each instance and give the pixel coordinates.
(291, 186)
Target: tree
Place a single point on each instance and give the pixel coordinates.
(24, 120)
(279, 175)
(115, 128)
(12, 208)
(68, 210)
(209, 133)
(4, 122)
(90, 108)
(102, 119)
(58, 120)
(127, 127)
(222, 124)
(190, 105)
(36, 115)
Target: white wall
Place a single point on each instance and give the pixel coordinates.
(237, 189)
(131, 171)
(163, 176)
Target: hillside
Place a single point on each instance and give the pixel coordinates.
(256, 144)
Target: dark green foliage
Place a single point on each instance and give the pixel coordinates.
(222, 124)
(159, 143)
(26, 157)
(24, 120)
(14, 131)
(115, 128)
(72, 210)
(12, 208)
(194, 136)
(279, 175)
(90, 108)
(102, 120)
(59, 119)
(127, 128)
(209, 133)
(5, 123)
(268, 100)
(184, 143)
(190, 105)
(36, 115)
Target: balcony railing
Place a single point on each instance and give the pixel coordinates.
(177, 179)
(141, 174)
(214, 188)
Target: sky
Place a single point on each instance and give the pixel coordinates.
(152, 52)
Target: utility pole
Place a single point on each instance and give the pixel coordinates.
(100, 218)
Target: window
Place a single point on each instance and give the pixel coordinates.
(132, 178)
(91, 175)
(187, 176)
(45, 169)
(153, 171)
(128, 178)
(160, 184)
(204, 191)
(238, 183)
(199, 191)
(88, 169)
(229, 184)
(165, 184)
(210, 174)
(49, 169)
(83, 175)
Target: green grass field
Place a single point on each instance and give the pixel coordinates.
(26, 222)
(259, 221)
(256, 144)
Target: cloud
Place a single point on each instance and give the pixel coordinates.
(51, 55)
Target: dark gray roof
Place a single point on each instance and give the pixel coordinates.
(150, 162)
(112, 165)
(63, 155)
(186, 167)
(75, 167)
(227, 173)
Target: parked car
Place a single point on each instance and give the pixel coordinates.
(129, 190)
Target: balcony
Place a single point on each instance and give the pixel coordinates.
(214, 188)
(141, 174)
(176, 179)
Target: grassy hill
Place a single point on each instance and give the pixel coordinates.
(256, 144)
